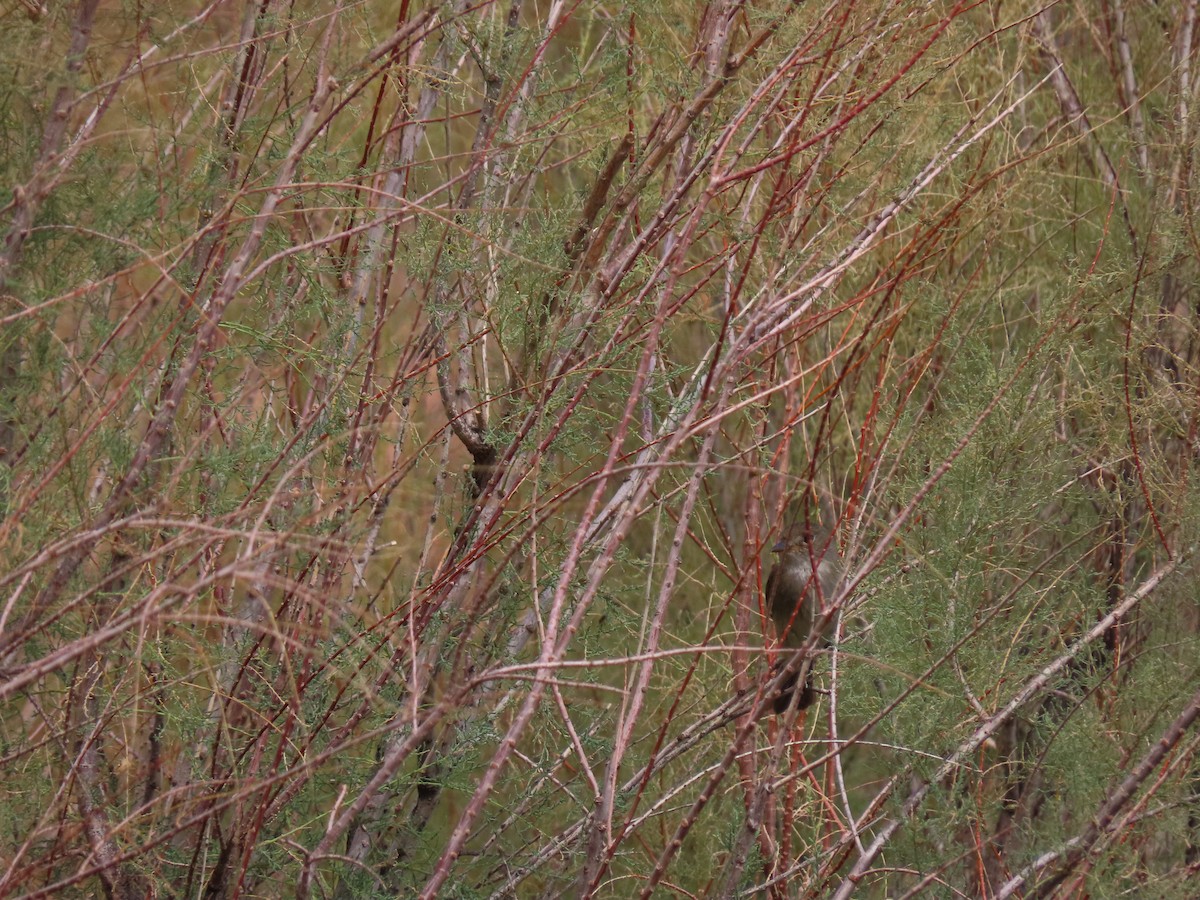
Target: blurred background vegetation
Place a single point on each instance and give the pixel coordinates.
(399, 403)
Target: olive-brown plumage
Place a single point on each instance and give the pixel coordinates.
(801, 577)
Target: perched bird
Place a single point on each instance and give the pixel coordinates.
(806, 573)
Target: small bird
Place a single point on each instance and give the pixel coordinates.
(806, 573)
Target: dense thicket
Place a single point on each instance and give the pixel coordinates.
(399, 403)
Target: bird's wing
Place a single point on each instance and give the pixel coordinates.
(772, 590)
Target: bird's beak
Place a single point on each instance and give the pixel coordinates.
(780, 546)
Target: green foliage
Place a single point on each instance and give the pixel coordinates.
(390, 510)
